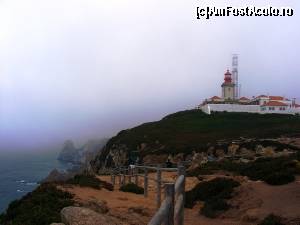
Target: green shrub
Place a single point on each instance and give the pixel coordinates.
(40, 207)
(279, 178)
(274, 171)
(272, 220)
(214, 190)
(213, 207)
(133, 188)
(89, 181)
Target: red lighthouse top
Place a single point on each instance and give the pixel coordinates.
(228, 78)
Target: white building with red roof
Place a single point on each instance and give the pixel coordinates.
(261, 104)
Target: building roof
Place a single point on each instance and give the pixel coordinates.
(215, 98)
(244, 99)
(275, 103)
(262, 96)
(277, 98)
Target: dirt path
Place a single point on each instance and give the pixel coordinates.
(253, 201)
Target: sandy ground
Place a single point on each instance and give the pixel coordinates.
(252, 202)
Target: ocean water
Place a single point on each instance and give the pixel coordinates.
(21, 173)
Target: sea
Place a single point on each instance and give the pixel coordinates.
(21, 172)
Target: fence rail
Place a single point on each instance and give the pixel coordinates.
(171, 210)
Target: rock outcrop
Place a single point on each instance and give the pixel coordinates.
(182, 133)
(71, 154)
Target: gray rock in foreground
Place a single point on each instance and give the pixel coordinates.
(83, 216)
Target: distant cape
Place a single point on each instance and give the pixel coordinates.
(82, 155)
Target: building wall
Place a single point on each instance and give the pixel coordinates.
(277, 109)
(263, 101)
(208, 108)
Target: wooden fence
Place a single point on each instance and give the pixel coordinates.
(171, 210)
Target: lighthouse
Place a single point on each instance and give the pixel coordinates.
(228, 87)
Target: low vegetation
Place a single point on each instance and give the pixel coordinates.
(274, 171)
(214, 194)
(85, 181)
(133, 188)
(192, 129)
(272, 220)
(89, 181)
(40, 207)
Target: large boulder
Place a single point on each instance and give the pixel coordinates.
(197, 160)
(269, 151)
(259, 149)
(232, 149)
(83, 216)
(220, 153)
(97, 205)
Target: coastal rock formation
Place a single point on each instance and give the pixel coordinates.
(69, 153)
(83, 216)
(86, 153)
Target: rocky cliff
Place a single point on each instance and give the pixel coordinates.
(71, 154)
(185, 133)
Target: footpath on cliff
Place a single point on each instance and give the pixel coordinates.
(253, 201)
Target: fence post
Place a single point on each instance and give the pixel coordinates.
(146, 183)
(158, 187)
(169, 194)
(120, 180)
(113, 179)
(136, 177)
(124, 178)
(129, 174)
(179, 220)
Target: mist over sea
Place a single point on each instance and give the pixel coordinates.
(20, 173)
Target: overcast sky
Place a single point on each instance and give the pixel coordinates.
(80, 69)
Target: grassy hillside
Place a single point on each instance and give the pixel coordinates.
(193, 130)
(187, 130)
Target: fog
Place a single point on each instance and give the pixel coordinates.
(80, 69)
